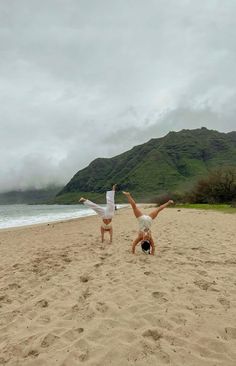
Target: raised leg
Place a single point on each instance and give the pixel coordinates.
(136, 210)
(155, 212)
(98, 209)
(110, 208)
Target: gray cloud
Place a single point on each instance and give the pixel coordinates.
(82, 79)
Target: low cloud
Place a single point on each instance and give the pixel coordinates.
(89, 79)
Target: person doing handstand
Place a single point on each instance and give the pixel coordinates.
(106, 213)
(145, 222)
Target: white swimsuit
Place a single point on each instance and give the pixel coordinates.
(145, 223)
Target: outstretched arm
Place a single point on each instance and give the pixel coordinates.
(135, 242)
(155, 212)
(152, 250)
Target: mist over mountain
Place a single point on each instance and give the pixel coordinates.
(172, 163)
(29, 196)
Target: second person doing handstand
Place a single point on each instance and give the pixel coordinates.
(145, 222)
(106, 213)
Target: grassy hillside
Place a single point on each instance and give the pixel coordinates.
(168, 164)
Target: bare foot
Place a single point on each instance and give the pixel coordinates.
(126, 193)
(82, 199)
(114, 187)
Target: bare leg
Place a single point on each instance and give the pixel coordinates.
(136, 210)
(111, 235)
(155, 212)
(152, 252)
(102, 234)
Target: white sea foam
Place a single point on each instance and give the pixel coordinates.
(21, 215)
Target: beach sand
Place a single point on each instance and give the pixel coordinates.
(68, 300)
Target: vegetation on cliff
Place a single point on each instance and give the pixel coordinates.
(171, 164)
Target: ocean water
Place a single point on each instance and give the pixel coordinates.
(21, 215)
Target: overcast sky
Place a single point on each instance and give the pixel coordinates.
(81, 79)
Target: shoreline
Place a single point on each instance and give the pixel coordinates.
(43, 224)
(143, 205)
(91, 213)
(67, 298)
(53, 222)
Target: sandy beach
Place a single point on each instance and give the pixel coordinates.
(67, 300)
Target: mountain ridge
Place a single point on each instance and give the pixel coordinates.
(167, 164)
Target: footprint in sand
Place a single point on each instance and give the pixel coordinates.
(49, 340)
(45, 319)
(73, 334)
(75, 308)
(14, 286)
(84, 356)
(154, 334)
(75, 356)
(67, 260)
(5, 299)
(101, 307)
(203, 284)
(42, 303)
(202, 273)
(33, 353)
(160, 297)
(230, 333)
(3, 361)
(85, 294)
(103, 257)
(84, 278)
(224, 302)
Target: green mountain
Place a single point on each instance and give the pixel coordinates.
(172, 163)
(30, 196)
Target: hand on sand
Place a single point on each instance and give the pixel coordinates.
(82, 199)
(126, 193)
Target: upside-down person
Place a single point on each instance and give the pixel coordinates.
(145, 221)
(106, 213)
